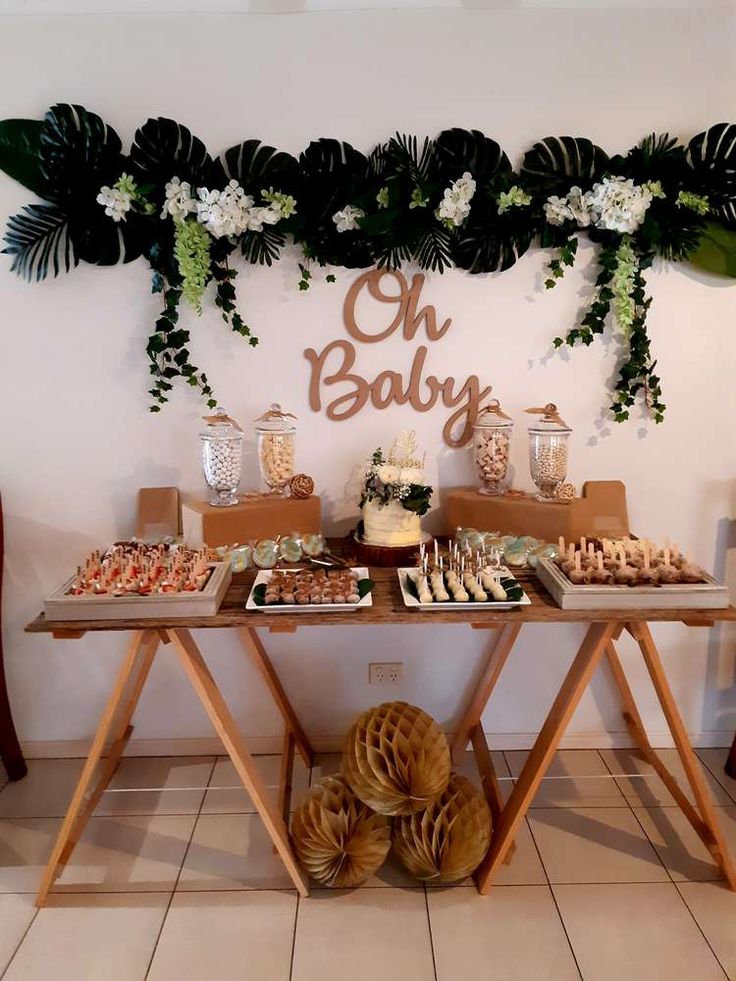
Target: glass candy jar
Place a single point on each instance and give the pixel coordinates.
(275, 437)
(548, 439)
(491, 445)
(222, 457)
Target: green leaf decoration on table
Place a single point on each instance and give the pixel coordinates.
(365, 586)
(259, 594)
(20, 142)
(410, 586)
(38, 238)
(717, 251)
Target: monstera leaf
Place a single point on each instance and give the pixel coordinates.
(79, 154)
(713, 158)
(162, 149)
(20, 143)
(716, 251)
(334, 175)
(38, 238)
(258, 168)
(557, 162)
(458, 150)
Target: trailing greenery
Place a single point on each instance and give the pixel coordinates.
(454, 201)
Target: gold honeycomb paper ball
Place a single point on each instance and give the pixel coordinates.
(396, 758)
(339, 841)
(447, 841)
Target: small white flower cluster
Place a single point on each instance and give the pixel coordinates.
(617, 204)
(455, 205)
(346, 218)
(118, 199)
(228, 212)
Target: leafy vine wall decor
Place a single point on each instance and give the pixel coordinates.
(452, 201)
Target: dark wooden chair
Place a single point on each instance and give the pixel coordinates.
(10, 752)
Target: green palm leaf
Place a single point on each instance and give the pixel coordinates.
(434, 249)
(262, 248)
(162, 149)
(38, 238)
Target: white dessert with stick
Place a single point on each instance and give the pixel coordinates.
(458, 574)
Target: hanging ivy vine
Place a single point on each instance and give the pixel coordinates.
(455, 201)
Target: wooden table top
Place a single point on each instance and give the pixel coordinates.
(388, 608)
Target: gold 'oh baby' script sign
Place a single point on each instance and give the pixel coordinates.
(334, 365)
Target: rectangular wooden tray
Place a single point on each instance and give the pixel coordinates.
(265, 575)
(413, 603)
(60, 605)
(710, 595)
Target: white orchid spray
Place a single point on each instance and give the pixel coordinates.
(346, 219)
(454, 207)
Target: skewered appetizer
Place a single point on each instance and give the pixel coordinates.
(137, 569)
(625, 562)
(316, 588)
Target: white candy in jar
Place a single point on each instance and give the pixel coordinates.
(277, 458)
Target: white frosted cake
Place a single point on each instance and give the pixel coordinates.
(395, 495)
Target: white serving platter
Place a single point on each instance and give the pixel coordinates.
(264, 576)
(710, 595)
(413, 602)
(61, 605)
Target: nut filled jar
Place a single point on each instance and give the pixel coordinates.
(491, 445)
(548, 438)
(222, 457)
(275, 437)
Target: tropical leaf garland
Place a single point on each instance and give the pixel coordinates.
(452, 201)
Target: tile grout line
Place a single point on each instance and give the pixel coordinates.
(178, 875)
(715, 775)
(429, 928)
(293, 936)
(671, 877)
(20, 943)
(554, 898)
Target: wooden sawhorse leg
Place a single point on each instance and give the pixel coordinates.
(115, 726)
(470, 728)
(702, 816)
(221, 717)
(538, 761)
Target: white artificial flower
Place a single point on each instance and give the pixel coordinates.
(576, 202)
(347, 218)
(115, 202)
(411, 475)
(388, 473)
(557, 211)
(455, 205)
(229, 212)
(618, 204)
(179, 201)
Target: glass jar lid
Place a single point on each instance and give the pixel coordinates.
(275, 420)
(549, 421)
(221, 426)
(492, 415)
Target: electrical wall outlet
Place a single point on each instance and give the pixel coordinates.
(385, 672)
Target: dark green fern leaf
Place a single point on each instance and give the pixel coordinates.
(38, 239)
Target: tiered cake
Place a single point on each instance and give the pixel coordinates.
(395, 496)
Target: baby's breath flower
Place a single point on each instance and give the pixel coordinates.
(695, 202)
(515, 197)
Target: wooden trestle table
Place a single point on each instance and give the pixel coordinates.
(599, 644)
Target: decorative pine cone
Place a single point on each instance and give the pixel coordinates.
(301, 485)
(396, 758)
(447, 841)
(338, 840)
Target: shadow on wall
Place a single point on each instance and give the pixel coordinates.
(720, 691)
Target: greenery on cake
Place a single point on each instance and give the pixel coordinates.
(398, 477)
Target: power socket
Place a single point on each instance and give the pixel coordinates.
(385, 672)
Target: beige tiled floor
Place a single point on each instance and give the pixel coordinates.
(175, 878)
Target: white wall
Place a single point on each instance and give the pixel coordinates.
(76, 434)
